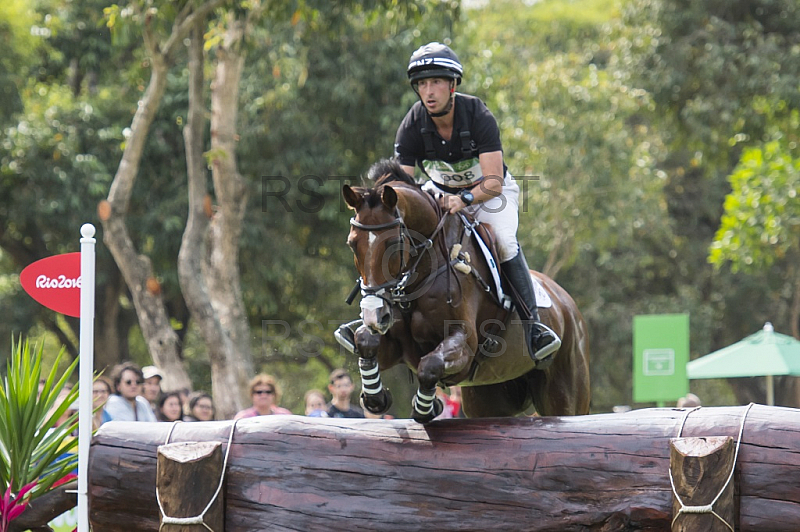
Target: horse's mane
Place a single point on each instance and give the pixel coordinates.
(387, 170)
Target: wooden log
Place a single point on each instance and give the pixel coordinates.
(603, 472)
(47, 507)
(187, 477)
(703, 494)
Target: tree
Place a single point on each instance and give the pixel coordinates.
(761, 224)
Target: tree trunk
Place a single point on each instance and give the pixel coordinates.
(162, 341)
(603, 472)
(137, 269)
(192, 270)
(222, 265)
(111, 340)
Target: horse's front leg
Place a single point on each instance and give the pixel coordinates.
(374, 397)
(451, 356)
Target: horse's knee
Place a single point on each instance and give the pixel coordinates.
(367, 342)
(430, 371)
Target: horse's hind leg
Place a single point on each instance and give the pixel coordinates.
(374, 397)
(496, 400)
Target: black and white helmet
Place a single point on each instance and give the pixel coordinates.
(434, 60)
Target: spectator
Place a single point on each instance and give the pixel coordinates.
(201, 407)
(265, 394)
(453, 401)
(152, 385)
(102, 388)
(315, 404)
(62, 395)
(442, 397)
(127, 403)
(341, 387)
(169, 407)
(689, 400)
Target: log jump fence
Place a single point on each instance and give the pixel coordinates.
(659, 469)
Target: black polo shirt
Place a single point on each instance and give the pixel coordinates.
(470, 114)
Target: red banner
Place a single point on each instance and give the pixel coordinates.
(55, 282)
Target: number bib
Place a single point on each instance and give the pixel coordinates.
(460, 174)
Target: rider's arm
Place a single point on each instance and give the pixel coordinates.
(489, 187)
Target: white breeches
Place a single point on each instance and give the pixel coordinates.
(501, 212)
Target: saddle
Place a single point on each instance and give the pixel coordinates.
(484, 240)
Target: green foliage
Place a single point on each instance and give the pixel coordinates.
(18, 44)
(761, 223)
(580, 137)
(32, 447)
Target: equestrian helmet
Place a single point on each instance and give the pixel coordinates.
(434, 60)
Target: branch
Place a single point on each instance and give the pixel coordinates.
(47, 507)
(182, 27)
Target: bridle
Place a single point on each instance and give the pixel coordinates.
(393, 292)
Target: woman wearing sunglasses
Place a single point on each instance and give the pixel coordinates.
(127, 403)
(265, 394)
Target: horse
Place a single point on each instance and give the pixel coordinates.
(427, 301)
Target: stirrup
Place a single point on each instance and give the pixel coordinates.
(539, 333)
(346, 336)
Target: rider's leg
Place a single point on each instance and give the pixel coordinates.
(502, 213)
(543, 341)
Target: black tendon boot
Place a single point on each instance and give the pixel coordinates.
(542, 341)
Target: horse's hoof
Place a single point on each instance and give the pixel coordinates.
(378, 403)
(438, 407)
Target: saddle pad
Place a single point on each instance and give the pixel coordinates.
(542, 297)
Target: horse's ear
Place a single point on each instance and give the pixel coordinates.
(352, 197)
(389, 197)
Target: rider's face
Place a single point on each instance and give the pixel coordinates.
(434, 93)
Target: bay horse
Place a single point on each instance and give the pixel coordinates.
(427, 301)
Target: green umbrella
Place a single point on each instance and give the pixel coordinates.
(763, 354)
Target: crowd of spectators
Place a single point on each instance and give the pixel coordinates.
(135, 394)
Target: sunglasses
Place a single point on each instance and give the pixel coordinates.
(262, 392)
(129, 382)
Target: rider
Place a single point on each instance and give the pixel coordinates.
(455, 141)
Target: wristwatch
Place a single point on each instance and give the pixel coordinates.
(466, 196)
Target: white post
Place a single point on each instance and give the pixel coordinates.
(86, 377)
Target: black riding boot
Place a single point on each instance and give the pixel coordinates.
(542, 341)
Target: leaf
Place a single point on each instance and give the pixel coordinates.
(33, 451)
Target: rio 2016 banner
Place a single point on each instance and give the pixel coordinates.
(55, 282)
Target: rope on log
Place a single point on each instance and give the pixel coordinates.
(198, 519)
(708, 508)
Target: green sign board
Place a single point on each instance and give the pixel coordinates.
(660, 354)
